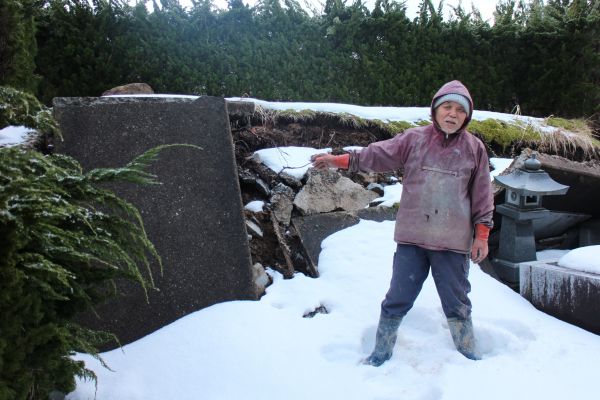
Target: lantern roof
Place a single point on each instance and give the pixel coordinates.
(531, 180)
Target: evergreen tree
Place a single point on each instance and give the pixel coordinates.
(18, 44)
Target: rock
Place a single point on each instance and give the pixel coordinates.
(327, 191)
(260, 278)
(249, 178)
(282, 203)
(290, 180)
(130, 88)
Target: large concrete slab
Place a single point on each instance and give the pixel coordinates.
(567, 294)
(194, 217)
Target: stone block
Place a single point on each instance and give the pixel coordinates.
(567, 294)
(194, 217)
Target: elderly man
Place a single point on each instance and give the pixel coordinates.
(445, 214)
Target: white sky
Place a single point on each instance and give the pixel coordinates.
(486, 7)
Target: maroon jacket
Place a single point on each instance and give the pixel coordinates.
(446, 182)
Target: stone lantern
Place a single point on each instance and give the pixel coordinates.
(525, 187)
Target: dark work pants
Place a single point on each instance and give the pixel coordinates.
(450, 272)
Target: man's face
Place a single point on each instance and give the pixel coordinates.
(450, 116)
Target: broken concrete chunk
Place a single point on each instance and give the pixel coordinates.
(328, 190)
(254, 228)
(281, 203)
(249, 178)
(290, 180)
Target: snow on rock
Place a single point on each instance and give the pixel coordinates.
(586, 259)
(293, 160)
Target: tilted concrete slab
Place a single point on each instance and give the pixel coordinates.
(567, 294)
(194, 217)
(312, 229)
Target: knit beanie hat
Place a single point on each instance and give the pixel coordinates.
(458, 98)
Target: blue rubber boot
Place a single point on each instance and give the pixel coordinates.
(463, 337)
(385, 339)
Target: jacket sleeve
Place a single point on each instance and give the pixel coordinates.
(482, 197)
(383, 156)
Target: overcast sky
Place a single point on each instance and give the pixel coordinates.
(486, 7)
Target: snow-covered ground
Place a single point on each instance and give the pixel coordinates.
(267, 350)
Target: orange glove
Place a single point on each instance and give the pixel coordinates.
(479, 250)
(324, 161)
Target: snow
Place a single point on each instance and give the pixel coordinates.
(292, 160)
(266, 349)
(550, 255)
(12, 135)
(500, 165)
(255, 206)
(585, 259)
(387, 114)
(391, 195)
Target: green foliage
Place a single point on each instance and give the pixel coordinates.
(18, 44)
(65, 239)
(540, 57)
(20, 108)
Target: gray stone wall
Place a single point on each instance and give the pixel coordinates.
(194, 217)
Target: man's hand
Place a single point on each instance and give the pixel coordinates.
(324, 161)
(479, 251)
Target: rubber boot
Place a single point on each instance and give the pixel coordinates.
(463, 337)
(385, 339)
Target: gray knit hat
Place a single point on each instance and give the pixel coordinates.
(458, 98)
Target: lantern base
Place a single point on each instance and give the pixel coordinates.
(507, 271)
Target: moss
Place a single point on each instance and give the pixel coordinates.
(350, 120)
(396, 127)
(302, 115)
(502, 132)
(573, 125)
